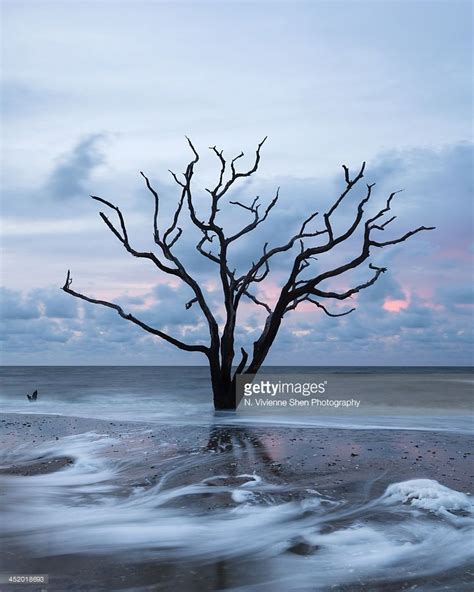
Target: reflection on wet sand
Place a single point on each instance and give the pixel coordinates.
(221, 515)
(241, 442)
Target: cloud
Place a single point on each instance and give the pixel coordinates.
(462, 294)
(20, 99)
(14, 305)
(71, 71)
(72, 174)
(428, 272)
(53, 304)
(49, 325)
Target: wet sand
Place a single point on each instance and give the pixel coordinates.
(329, 456)
(353, 464)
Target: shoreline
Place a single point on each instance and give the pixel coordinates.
(204, 475)
(327, 451)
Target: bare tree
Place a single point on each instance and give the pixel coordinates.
(299, 287)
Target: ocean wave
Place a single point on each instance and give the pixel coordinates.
(301, 539)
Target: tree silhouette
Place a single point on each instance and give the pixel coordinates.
(299, 287)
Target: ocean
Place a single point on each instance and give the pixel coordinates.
(167, 495)
(391, 397)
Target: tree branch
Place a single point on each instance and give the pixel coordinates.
(294, 292)
(129, 317)
(242, 363)
(238, 175)
(178, 271)
(351, 291)
(188, 305)
(245, 280)
(256, 221)
(330, 314)
(222, 171)
(156, 232)
(123, 238)
(402, 238)
(308, 298)
(257, 301)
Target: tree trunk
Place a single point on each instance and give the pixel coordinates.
(223, 387)
(265, 341)
(225, 398)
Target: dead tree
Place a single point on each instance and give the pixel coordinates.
(299, 287)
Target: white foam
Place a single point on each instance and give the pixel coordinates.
(411, 529)
(428, 494)
(241, 495)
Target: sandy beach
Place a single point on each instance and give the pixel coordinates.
(328, 456)
(229, 467)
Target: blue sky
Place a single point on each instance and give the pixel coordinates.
(93, 92)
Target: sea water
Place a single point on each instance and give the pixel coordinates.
(196, 528)
(391, 397)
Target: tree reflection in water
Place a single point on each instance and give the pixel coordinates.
(246, 452)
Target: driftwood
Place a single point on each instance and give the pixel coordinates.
(32, 397)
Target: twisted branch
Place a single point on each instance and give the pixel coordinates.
(129, 317)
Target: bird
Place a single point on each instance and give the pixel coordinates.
(32, 397)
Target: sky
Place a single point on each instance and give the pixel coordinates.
(94, 92)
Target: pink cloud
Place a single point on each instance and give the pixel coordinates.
(395, 305)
